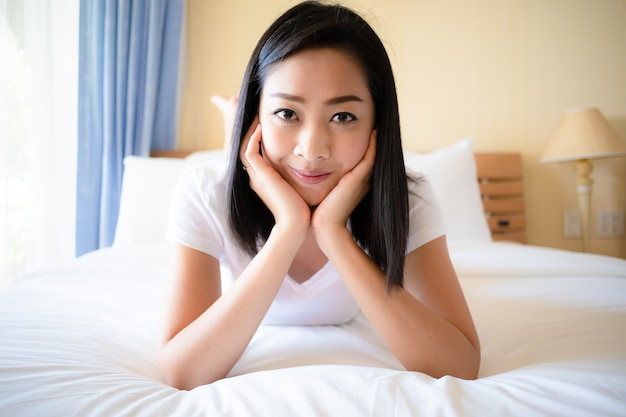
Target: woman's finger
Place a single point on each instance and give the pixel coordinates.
(252, 139)
(367, 162)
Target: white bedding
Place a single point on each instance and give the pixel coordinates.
(79, 340)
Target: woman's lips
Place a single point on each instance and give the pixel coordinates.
(310, 176)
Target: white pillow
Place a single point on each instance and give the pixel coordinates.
(148, 185)
(147, 188)
(452, 173)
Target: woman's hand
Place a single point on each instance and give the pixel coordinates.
(284, 202)
(334, 211)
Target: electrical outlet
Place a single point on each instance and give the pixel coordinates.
(610, 223)
(571, 224)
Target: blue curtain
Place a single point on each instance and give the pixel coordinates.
(128, 80)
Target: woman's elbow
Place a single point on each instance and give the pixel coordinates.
(468, 365)
(180, 374)
(171, 372)
(464, 365)
(470, 369)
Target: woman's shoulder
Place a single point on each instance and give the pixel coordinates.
(205, 177)
(202, 186)
(419, 185)
(198, 209)
(425, 215)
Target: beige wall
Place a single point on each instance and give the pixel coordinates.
(500, 71)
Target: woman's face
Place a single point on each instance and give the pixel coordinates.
(317, 115)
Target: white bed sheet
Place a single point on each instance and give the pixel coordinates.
(80, 340)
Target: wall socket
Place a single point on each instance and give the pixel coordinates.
(571, 224)
(610, 223)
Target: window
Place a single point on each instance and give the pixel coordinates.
(38, 102)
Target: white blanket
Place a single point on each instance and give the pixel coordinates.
(80, 340)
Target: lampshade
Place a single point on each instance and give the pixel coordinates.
(583, 134)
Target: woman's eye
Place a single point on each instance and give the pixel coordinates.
(286, 114)
(344, 117)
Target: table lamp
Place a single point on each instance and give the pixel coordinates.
(583, 134)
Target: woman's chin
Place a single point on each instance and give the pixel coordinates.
(313, 203)
(314, 196)
(313, 200)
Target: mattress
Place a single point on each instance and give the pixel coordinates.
(80, 339)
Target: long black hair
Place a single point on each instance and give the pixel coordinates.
(380, 222)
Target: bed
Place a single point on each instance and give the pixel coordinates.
(80, 339)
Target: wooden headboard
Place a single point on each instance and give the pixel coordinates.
(500, 177)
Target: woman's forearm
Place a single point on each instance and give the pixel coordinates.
(207, 349)
(421, 338)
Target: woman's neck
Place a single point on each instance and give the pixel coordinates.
(308, 260)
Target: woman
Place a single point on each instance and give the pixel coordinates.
(316, 191)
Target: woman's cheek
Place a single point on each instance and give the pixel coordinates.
(269, 149)
(356, 151)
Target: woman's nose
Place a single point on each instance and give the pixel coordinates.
(313, 144)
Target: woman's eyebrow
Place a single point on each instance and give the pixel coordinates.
(334, 100)
(289, 97)
(343, 99)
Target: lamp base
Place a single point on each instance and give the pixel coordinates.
(583, 190)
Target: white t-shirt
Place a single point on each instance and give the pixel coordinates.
(199, 219)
